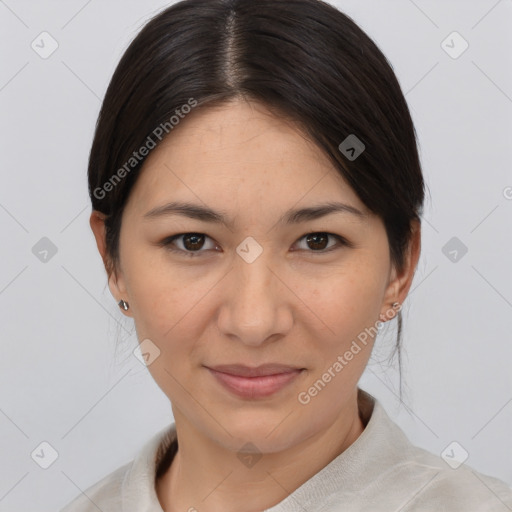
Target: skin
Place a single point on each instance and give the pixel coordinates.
(297, 303)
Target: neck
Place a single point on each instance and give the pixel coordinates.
(203, 475)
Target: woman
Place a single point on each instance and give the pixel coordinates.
(257, 197)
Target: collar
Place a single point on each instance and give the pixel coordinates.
(369, 455)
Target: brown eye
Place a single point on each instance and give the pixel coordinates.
(193, 241)
(192, 244)
(318, 242)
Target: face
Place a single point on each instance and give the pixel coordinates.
(263, 288)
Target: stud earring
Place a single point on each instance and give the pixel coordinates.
(123, 304)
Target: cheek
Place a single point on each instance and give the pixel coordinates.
(163, 295)
(346, 302)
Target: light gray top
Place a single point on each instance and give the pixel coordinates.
(380, 472)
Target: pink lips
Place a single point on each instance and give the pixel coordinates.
(254, 382)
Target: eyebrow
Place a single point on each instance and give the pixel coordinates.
(205, 214)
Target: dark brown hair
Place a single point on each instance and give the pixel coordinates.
(303, 59)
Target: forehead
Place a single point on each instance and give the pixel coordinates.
(239, 151)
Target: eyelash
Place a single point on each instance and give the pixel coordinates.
(167, 243)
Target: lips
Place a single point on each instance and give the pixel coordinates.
(257, 371)
(254, 382)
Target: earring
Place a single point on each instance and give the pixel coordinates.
(395, 305)
(123, 304)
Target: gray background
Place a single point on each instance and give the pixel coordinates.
(63, 381)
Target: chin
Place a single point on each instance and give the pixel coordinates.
(269, 432)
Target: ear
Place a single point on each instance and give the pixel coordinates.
(400, 281)
(115, 278)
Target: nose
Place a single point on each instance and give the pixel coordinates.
(256, 306)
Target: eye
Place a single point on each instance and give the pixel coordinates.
(191, 243)
(318, 240)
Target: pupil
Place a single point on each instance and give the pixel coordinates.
(195, 243)
(315, 237)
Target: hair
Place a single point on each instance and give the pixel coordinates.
(304, 60)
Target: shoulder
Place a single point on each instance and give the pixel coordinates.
(133, 483)
(443, 487)
(425, 481)
(406, 477)
(104, 494)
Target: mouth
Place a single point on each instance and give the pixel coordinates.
(254, 382)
